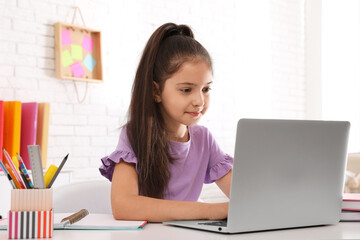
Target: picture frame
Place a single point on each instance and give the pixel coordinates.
(78, 53)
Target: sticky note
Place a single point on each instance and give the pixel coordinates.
(77, 70)
(66, 58)
(76, 52)
(65, 37)
(88, 44)
(89, 62)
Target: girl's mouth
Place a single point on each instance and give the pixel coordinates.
(194, 114)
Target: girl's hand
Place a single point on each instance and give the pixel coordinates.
(218, 211)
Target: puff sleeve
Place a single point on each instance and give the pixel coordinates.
(123, 152)
(219, 163)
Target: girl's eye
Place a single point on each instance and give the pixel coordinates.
(206, 89)
(186, 90)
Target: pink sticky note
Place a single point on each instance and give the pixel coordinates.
(88, 44)
(65, 37)
(77, 70)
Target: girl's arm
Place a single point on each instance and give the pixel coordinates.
(224, 183)
(127, 204)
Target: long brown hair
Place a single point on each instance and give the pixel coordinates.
(167, 49)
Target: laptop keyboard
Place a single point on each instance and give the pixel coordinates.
(222, 223)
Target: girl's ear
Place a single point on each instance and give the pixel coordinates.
(156, 92)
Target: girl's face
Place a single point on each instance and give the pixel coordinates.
(185, 96)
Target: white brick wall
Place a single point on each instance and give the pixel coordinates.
(257, 48)
(340, 65)
(288, 59)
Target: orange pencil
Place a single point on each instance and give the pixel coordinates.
(12, 171)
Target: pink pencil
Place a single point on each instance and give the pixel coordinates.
(13, 169)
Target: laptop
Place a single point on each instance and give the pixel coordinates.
(286, 174)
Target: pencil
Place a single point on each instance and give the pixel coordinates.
(7, 174)
(58, 171)
(24, 171)
(12, 171)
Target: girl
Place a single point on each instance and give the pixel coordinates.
(163, 158)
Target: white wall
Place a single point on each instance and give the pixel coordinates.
(257, 48)
(340, 65)
(313, 56)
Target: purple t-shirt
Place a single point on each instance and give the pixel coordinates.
(199, 160)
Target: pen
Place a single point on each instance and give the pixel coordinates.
(7, 174)
(58, 171)
(24, 171)
(12, 171)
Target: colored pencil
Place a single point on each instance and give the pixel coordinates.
(10, 167)
(7, 174)
(24, 171)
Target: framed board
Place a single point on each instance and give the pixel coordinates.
(78, 53)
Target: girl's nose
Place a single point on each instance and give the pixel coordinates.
(199, 100)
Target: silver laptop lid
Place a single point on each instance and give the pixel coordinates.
(287, 173)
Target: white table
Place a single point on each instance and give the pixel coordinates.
(157, 231)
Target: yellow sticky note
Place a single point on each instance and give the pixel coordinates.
(76, 52)
(66, 58)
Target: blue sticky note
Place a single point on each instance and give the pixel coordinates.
(89, 62)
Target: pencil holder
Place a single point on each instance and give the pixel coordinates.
(31, 214)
